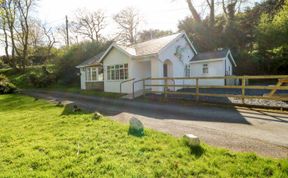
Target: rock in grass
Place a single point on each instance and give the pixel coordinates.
(59, 104)
(76, 108)
(97, 116)
(136, 127)
(192, 140)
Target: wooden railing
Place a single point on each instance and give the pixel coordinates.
(125, 81)
(164, 87)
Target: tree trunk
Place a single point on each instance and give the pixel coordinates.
(194, 12)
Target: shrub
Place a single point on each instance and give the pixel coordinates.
(66, 70)
(43, 79)
(6, 86)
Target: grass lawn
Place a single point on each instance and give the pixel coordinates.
(38, 139)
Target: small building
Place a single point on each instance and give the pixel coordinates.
(169, 56)
(91, 73)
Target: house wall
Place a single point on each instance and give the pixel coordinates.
(178, 63)
(215, 68)
(230, 81)
(228, 64)
(140, 68)
(114, 57)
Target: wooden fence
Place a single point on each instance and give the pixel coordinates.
(165, 85)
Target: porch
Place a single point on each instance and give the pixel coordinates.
(92, 78)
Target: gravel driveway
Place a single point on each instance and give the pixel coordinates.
(238, 129)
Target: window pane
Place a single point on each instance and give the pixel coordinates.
(108, 75)
(112, 75)
(122, 74)
(117, 74)
(88, 74)
(205, 69)
(126, 73)
(94, 74)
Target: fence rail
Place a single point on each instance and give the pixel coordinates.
(244, 80)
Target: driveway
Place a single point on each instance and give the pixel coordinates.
(238, 128)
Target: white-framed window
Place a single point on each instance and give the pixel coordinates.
(117, 72)
(91, 74)
(187, 70)
(205, 69)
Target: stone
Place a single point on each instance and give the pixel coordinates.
(136, 127)
(76, 108)
(59, 104)
(97, 116)
(192, 140)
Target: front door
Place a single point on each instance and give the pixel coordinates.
(165, 70)
(168, 72)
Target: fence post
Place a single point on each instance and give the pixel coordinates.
(165, 88)
(197, 89)
(144, 92)
(243, 89)
(133, 90)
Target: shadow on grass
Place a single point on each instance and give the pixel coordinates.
(197, 151)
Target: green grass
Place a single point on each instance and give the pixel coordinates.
(38, 139)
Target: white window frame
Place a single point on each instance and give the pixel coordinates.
(205, 69)
(117, 72)
(89, 74)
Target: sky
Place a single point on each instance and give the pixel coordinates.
(156, 14)
(159, 14)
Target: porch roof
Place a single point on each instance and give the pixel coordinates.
(93, 61)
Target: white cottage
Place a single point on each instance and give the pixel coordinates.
(169, 56)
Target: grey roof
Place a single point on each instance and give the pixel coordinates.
(95, 60)
(210, 55)
(151, 46)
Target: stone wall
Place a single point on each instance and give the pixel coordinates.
(95, 86)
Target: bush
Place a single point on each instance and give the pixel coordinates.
(6, 86)
(66, 70)
(43, 79)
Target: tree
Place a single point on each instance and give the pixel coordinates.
(24, 8)
(15, 18)
(193, 11)
(8, 18)
(152, 33)
(272, 40)
(128, 21)
(90, 24)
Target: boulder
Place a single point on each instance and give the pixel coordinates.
(76, 108)
(192, 140)
(136, 127)
(97, 116)
(59, 104)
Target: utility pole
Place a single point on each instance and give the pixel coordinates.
(67, 31)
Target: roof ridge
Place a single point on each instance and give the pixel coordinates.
(178, 33)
